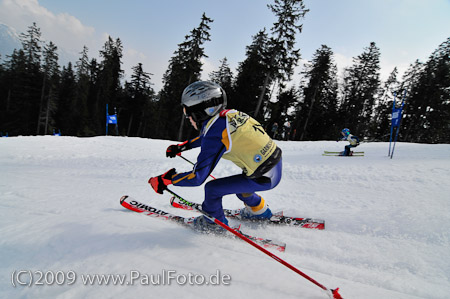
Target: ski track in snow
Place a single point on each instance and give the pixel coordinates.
(387, 221)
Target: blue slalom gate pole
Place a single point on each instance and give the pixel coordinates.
(392, 124)
(397, 122)
(106, 119)
(395, 141)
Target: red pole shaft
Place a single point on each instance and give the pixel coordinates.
(278, 259)
(239, 235)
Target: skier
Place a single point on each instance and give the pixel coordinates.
(286, 130)
(354, 142)
(274, 130)
(228, 134)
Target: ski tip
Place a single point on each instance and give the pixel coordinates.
(176, 203)
(319, 226)
(181, 206)
(123, 198)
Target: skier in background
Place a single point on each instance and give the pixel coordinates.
(354, 142)
(231, 135)
(286, 130)
(274, 130)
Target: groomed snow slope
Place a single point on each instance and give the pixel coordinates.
(387, 223)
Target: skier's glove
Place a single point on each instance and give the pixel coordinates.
(176, 149)
(160, 183)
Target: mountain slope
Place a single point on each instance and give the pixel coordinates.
(9, 40)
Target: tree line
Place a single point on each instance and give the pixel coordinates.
(38, 96)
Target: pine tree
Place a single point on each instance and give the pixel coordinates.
(380, 124)
(250, 75)
(283, 56)
(184, 68)
(109, 87)
(15, 117)
(410, 80)
(67, 116)
(223, 76)
(430, 100)
(50, 80)
(316, 116)
(31, 44)
(84, 93)
(82, 65)
(279, 112)
(3, 101)
(90, 127)
(139, 95)
(29, 95)
(361, 84)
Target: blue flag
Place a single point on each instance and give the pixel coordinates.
(112, 119)
(396, 116)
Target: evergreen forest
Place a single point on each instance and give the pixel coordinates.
(38, 96)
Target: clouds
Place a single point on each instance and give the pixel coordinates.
(151, 30)
(64, 30)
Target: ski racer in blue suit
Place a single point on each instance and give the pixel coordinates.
(354, 142)
(231, 135)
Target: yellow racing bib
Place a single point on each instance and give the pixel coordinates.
(248, 145)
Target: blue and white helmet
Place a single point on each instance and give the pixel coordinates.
(345, 132)
(203, 99)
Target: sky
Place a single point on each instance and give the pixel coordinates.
(150, 31)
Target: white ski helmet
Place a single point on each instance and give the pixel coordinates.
(203, 99)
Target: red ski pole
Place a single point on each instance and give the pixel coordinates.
(334, 294)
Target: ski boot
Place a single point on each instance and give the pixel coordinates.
(204, 225)
(258, 212)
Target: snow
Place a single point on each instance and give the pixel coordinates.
(387, 223)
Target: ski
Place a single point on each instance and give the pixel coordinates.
(277, 218)
(339, 155)
(327, 152)
(145, 209)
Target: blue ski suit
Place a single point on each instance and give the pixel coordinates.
(354, 142)
(235, 136)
